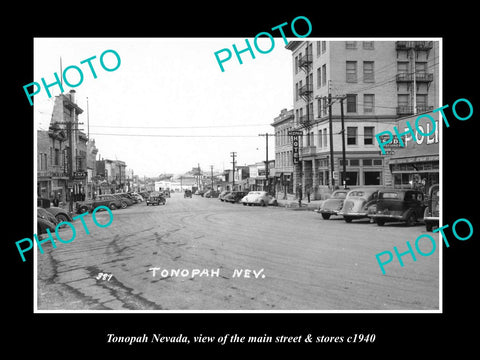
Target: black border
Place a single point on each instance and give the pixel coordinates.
(86, 333)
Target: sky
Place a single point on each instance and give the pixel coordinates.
(168, 106)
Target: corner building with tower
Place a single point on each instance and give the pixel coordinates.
(377, 83)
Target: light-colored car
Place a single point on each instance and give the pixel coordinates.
(334, 204)
(261, 198)
(138, 197)
(359, 203)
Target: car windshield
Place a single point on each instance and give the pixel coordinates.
(339, 194)
(356, 193)
(389, 195)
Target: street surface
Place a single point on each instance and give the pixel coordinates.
(308, 263)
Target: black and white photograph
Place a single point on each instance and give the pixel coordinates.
(232, 179)
(225, 179)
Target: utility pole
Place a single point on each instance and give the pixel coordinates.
(344, 175)
(266, 158)
(211, 174)
(331, 138)
(233, 154)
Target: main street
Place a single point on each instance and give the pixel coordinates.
(302, 261)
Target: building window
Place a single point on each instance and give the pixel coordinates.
(296, 91)
(402, 67)
(368, 74)
(354, 162)
(368, 45)
(421, 102)
(319, 107)
(367, 162)
(368, 135)
(324, 74)
(296, 64)
(351, 178)
(351, 135)
(57, 157)
(350, 44)
(377, 162)
(368, 103)
(320, 143)
(351, 67)
(324, 46)
(325, 139)
(318, 48)
(351, 103)
(372, 177)
(319, 77)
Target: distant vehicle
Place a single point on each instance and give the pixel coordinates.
(166, 192)
(211, 194)
(222, 195)
(187, 193)
(235, 196)
(124, 202)
(261, 198)
(156, 198)
(200, 192)
(432, 210)
(106, 200)
(399, 205)
(359, 203)
(333, 205)
(138, 197)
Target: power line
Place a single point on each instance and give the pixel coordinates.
(176, 127)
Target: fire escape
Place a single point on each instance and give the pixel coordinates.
(412, 77)
(306, 91)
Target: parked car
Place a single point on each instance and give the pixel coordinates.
(235, 196)
(138, 197)
(399, 205)
(359, 203)
(45, 221)
(261, 198)
(200, 192)
(156, 199)
(59, 213)
(44, 214)
(106, 200)
(222, 195)
(124, 200)
(431, 214)
(187, 193)
(333, 205)
(211, 194)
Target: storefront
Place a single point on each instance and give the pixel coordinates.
(417, 164)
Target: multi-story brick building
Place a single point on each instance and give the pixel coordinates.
(111, 175)
(282, 124)
(379, 82)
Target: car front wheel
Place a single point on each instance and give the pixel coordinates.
(61, 218)
(112, 206)
(326, 216)
(83, 209)
(411, 220)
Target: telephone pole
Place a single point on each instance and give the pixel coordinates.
(211, 174)
(331, 138)
(233, 154)
(344, 176)
(266, 159)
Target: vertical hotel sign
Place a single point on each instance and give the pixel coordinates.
(295, 142)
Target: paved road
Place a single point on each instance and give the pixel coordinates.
(301, 262)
